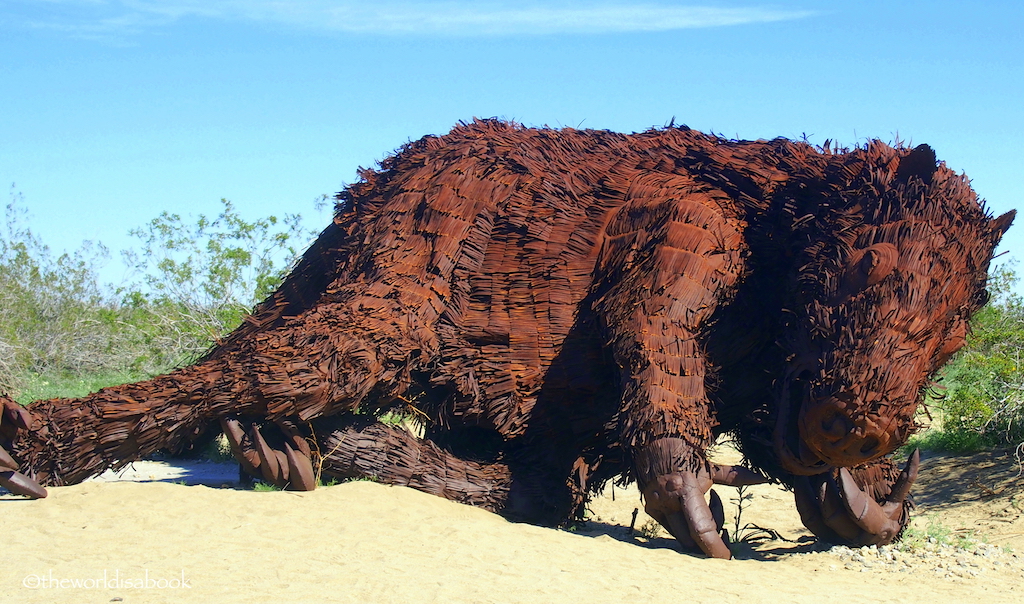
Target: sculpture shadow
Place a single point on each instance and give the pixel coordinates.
(762, 550)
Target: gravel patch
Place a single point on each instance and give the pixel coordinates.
(940, 560)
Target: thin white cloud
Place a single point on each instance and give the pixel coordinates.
(397, 17)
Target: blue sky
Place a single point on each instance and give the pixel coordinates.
(113, 111)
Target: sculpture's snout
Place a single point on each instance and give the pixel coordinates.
(840, 438)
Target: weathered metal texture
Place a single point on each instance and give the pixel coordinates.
(565, 307)
(392, 455)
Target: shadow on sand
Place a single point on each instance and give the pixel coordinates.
(755, 549)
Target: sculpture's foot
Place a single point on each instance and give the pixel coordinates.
(837, 510)
(289, 467)
(16, 482)
(14, 419)
(674, 496)
(677, 502)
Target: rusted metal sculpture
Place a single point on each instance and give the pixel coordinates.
(567, 307)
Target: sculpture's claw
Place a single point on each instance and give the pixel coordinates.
(862, 508)
(837, 510)
(16, 482)
(718, 513)
(6, 461)
(901, 488)
(241, 448)
(19, 484)
(677, 502)
(290, 469)
(273, 468)
(884, 520)
(13, 419)
(300, 470)
(13, 413)
(294, 436)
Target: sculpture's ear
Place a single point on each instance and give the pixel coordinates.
(920, 163)
(1002, 224)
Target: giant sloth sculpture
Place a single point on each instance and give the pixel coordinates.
(566, 307)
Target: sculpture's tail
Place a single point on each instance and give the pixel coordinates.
(64, 441)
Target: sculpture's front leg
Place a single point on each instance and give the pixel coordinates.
(672, 253)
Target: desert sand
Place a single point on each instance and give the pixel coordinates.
(366, 542)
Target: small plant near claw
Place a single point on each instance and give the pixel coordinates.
(650, 530)
(749, 532)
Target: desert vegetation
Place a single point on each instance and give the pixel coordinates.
(978, 401)
(65, 333)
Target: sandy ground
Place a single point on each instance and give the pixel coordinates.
(119, 540)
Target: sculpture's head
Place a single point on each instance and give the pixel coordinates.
(890, 268)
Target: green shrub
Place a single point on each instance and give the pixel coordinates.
(55, 318)
(62, 331)
(196, 282)
(984, 402)
(41, 387)
(951, 441)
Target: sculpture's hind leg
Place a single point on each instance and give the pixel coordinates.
(673, 252)
(392, 455)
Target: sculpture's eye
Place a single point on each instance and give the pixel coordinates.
(867, 267)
